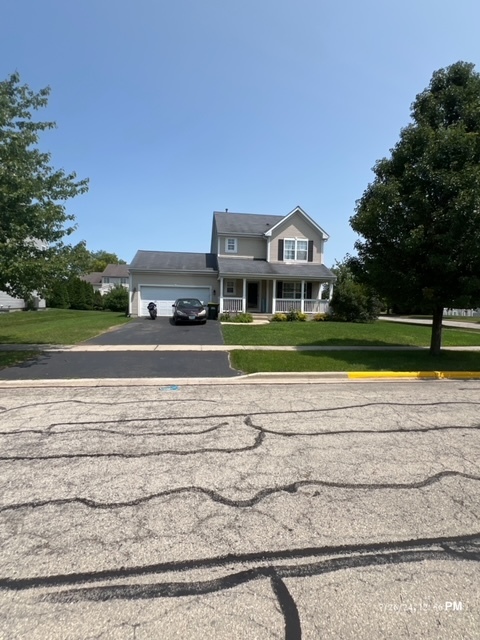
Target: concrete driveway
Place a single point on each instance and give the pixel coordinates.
(161, 331)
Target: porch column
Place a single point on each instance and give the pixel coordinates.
(302, 299)
(244, 296)
(274, 294)
(330, 291)
(221, 294)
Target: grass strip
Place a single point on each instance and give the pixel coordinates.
(376, 334)
(56, 326)
(269, 361)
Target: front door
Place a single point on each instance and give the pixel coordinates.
(252, 295)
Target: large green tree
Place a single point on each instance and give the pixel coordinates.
(419, 220)
(82, 261)
(102, 258)
(33, 216)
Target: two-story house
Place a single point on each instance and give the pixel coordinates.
(257, 263)
(114, 275)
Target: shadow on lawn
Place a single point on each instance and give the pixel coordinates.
(353, 342)
(417, 360)
(39, 359)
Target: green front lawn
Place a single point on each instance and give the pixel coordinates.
(309, 361)
(55, 326)
(344, 334)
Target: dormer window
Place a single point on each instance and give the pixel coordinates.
(231, 245)
(295, 249)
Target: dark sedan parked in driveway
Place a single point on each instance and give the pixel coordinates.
(189, 310)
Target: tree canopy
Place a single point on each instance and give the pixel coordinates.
(82, 261)
(419, 220)
(352, 301)
(33, 215)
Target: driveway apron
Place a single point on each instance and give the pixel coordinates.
(135, 364)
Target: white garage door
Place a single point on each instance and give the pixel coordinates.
(165, 296)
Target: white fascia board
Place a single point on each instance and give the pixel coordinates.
(325, 235)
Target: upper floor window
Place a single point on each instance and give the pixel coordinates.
(231, 245)
(295, 249)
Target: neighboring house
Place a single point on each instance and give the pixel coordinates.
(104, 281)
(114, 275)
(257, 263)
(94, 278)
(8, 303)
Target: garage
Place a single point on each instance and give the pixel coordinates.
(165, 296)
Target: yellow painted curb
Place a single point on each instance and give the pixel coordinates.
(436, 375)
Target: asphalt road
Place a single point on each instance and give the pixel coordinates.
(238, 512)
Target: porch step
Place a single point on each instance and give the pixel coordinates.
(261, 316)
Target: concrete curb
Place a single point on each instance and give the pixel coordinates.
(173, 384)
(430, 375)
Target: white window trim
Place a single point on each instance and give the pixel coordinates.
(234, 250)
(295, 240)
(297, 290)
(227, 287)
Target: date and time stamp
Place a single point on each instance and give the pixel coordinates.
(423, 606)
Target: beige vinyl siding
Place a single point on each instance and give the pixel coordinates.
(214, 241)
(246, 247)
(238, 288)
(297, 227)
(159, 279)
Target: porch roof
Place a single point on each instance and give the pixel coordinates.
(246, 267)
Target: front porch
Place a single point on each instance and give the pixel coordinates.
(242, 295)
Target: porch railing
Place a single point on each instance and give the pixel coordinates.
(284, 305)
(231, 304)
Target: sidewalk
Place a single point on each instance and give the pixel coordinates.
(445, 323)
(98, 348)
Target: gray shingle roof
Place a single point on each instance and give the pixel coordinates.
(247, 267)
(116, 270)
(245, 223)
(95, 277)
(174, 261)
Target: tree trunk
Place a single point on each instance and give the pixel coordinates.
(436, 339)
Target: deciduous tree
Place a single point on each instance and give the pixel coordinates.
(33, 215)
(419, 220)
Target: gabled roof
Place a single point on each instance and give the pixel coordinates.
(306, 216)
(248, 266)
(174, 261)
(244, 223)
(116, 271)
(95, 277)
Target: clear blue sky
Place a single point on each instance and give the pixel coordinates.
(176, 109)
